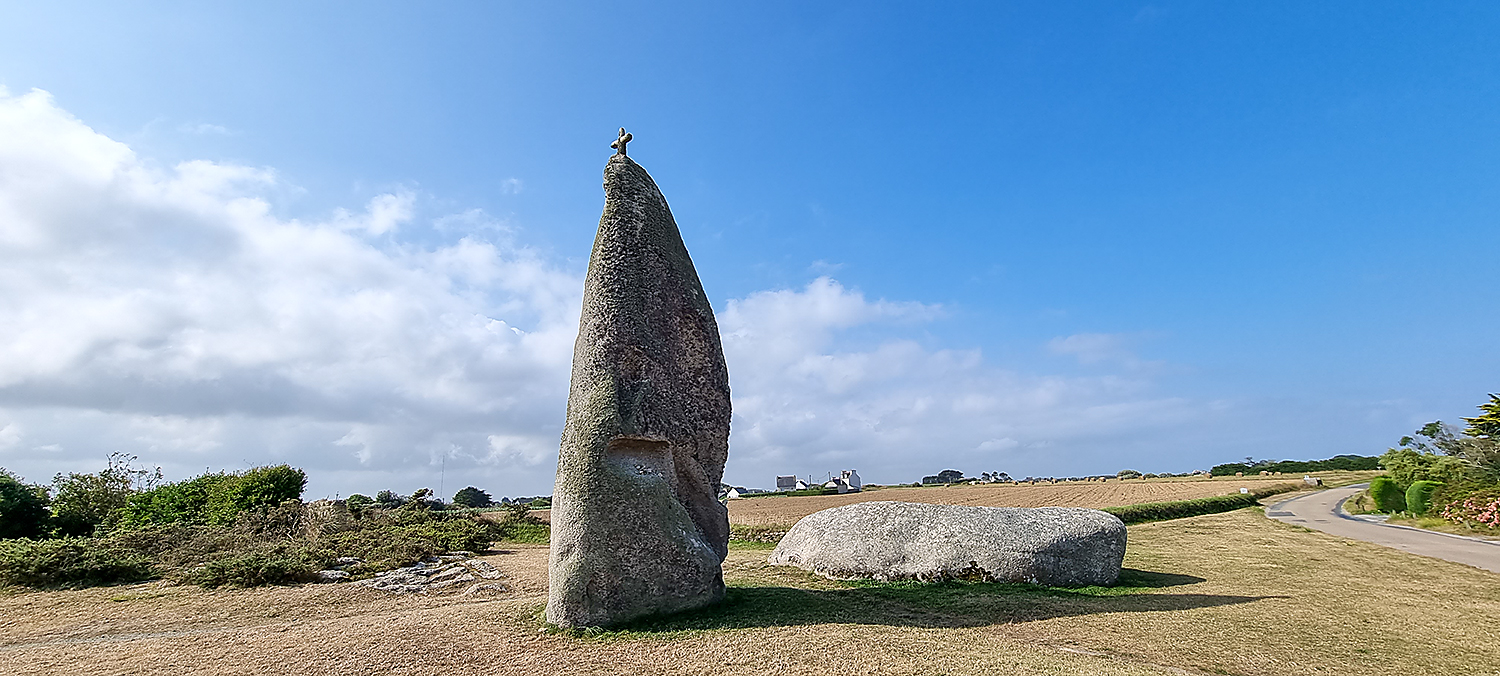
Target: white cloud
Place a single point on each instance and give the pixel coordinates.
(1101, 348)
(806, 401)
(998, 444)
(383, 214)
(202, 128)
(174, 315)
(10, 436)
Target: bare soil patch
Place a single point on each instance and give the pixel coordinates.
(1222, 594)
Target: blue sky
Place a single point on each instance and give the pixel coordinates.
(1092, 235)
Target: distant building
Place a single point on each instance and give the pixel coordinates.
(787, 483)
(741, 491)
(847, 481)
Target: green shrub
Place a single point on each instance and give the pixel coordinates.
(215, 498)
(1419, 496)
(395, 540)
(1177, 509)
(23, 508)
(1406, 466)
(178, 502)
(1472, 507)
(282, 563)
(69, 562)
(256, 488)
(1387, 495)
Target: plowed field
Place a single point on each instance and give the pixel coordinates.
(784, 511)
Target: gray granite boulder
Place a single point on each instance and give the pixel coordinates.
(637, 528)
(1055, 546)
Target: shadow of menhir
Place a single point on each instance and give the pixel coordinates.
(937, 605)
(637, 528)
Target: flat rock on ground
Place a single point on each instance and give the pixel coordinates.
(1057, 546)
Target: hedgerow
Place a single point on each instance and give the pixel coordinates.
(1177, 509)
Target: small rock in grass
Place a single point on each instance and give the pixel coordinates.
(484, 569)
(332, 576)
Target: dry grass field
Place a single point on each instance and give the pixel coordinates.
(1229, 593)
(785, 511)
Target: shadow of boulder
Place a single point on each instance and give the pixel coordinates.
(936, 605)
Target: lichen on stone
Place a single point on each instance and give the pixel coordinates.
(637, 528)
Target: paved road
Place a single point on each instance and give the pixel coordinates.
(1321, 511)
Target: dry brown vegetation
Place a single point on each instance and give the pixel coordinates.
(785, 511)
(1222, 594)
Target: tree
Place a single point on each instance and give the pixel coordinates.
(473, 497)
(82, 503)
(23, 508)
(1486, 426)
(357, 503)
(389, 499)
(1482, 454)
(422, 498)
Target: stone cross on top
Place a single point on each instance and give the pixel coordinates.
(619, 144)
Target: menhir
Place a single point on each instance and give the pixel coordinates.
(637, 528)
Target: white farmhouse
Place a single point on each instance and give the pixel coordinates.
(847, 481)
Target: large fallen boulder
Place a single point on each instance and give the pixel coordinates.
(1055, 546)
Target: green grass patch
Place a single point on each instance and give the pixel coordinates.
(524, 532)
(751, 545)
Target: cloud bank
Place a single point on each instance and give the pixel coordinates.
(172, 313)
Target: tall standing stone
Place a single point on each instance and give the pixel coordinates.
(637, 528)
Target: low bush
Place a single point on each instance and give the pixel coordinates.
(1387, 495)
(1177, 509)
(1479, 508)
(1419, 496)
(282, 563)
(69, 562)
(284, 544)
